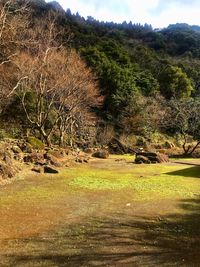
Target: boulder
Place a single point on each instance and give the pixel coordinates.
(117, 147)
(37, 169)
(52, 160)
(16, 149)
(142, 159)
(89, 150)
(48, 169)
(101, 154)
(7, 171)
(34, 158)
(151, 157)
(27, 148)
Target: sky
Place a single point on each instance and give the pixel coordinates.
(158, 13)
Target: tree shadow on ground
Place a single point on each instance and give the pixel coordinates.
(117, 240)
(188, 172)
(186, 163)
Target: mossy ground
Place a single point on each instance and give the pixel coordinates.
(108, 213)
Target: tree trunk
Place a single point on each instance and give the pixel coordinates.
(46, 137)
(61, 139)
(194, 148)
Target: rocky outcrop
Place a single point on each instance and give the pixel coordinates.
(117, 147)
(101, 154)
(150, 157)
(36, 158)
(49, 169)
(142, 159)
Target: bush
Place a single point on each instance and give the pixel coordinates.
(35, 143)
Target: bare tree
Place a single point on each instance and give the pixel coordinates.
(184, 118)
(61, 86)
(80, 94)
(13, 24)
(38, 65)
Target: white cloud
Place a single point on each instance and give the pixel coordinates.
(157, 12)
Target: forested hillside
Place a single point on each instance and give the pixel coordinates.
(62, 76)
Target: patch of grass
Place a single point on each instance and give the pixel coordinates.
(146, 182)
(143, 182)
(35, 142)
(127, 157)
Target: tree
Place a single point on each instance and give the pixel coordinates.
(145, 115)
(61, 86)
(75, 102)
(174, 83)
(185, 119)
(13, 24)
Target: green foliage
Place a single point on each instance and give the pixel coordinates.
(175, 83)
(147, 83)
(132, 63)
(35, 142)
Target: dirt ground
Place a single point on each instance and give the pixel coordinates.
(108, 213)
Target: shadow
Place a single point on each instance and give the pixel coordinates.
(189, 172)
(186, 163)
(117, 240)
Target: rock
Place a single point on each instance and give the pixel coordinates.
(89, 150)
(16, 149)
(41, 162)
(52, 160)
(59, 154)
(142, 159)
(102, 154)
(82, 160)
(151, 157)
(18, 157)
(79, 160)
(116, 147)
(7, 171)
(27, 148)
(8, 158)
(48, 169)
(34, 158)
(37, 169)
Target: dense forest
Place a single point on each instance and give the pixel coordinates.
(65, 79)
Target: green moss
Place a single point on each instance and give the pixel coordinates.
(143, 182)
(35, 142)
(127, 157)
(146, 182)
